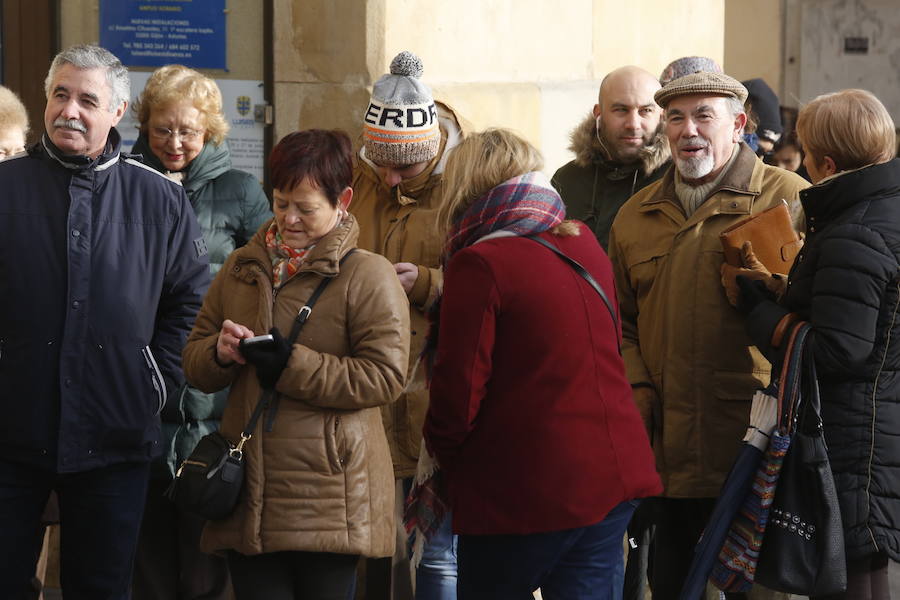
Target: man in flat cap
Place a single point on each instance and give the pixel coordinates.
(690, 362)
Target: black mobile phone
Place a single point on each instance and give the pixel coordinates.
(259, 341)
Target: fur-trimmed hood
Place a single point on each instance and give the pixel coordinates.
(587, 149)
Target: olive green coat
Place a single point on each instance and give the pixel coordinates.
(681, 336)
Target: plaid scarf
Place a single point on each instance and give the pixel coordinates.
(523, 205)
(286, 261)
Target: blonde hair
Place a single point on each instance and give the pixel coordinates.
(12, 111)
(480, 163)
(851, 126)
(172, 84)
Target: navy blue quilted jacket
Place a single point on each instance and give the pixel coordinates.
(846, 283)
(103, 269)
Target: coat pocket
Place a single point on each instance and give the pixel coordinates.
(333, 443)
(156, 378)
(737, 386)
(643, 267)
(726, 421)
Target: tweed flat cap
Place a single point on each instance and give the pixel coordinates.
(701, 83)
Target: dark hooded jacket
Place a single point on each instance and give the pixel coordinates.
(594, 188)
(766, 109)
(846, 283)
(230, 206)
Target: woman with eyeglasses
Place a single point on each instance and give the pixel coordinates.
(182, 134)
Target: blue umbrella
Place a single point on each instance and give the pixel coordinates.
(734, 490)
(737, 485)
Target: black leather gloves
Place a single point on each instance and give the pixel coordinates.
(269, 359)
(752, 292)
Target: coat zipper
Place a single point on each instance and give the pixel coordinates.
(156, 377)
(887, 345)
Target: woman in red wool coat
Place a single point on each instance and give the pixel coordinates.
(531, 417)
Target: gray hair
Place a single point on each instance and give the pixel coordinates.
(94, 57)
(735, 107)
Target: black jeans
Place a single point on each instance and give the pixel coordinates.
(679, 523)
(638, 566)
(169, 563)
(292, 575)
(100, 515)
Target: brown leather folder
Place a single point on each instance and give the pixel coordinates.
(775, 242)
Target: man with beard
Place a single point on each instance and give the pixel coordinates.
(618, 150)
(689, 360)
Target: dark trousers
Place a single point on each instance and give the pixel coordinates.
(100, 512)
(169, 564)
(679, 524)
(574, 564)
(640, 539)
(293, 575)
(867, 579)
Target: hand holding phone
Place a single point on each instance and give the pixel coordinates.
(260, 342)
(230, 335)
(269, 354)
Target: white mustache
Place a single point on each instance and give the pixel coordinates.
(697, 141)
(70, 124)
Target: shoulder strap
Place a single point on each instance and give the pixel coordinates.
(791, 378)
(269, 396)
(587, 277)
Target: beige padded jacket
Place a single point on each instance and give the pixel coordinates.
(321, 479)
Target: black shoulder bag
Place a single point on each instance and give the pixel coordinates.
(587, 277)
(209, 481)
(803, 548)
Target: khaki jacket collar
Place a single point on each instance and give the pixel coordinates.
(324, 259)
(743, 180)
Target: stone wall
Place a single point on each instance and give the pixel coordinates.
(530, 65)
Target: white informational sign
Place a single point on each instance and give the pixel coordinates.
(245, 137)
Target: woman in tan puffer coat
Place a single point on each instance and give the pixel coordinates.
(318, 492)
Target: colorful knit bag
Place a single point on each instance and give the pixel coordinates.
(735, 568)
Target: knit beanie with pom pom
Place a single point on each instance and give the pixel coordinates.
(400, 126)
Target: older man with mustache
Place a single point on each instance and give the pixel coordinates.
(691, 365)
(104, 270)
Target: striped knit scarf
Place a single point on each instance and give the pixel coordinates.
(523, 205)
(286, 261)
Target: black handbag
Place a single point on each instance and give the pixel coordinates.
(803, 548)
(209, 481)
